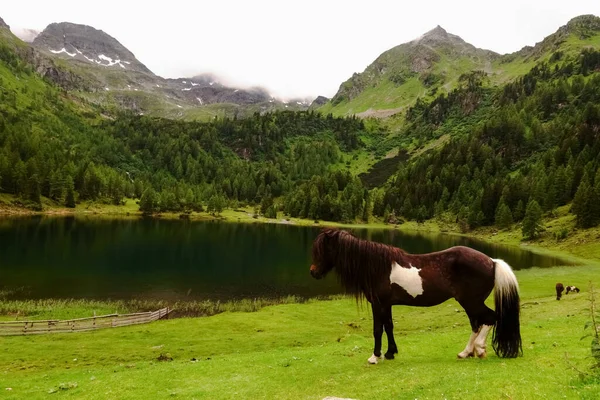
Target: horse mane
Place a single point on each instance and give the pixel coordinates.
(361, 265)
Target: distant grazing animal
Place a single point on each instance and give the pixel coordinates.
(559, 290)
(387, 276)
(572, 289)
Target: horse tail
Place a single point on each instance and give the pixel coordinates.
(506, 339)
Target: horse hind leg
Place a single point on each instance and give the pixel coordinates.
(487, 319)
(470, 347)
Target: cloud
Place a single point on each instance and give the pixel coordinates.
(25, 34)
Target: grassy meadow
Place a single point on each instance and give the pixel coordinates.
(313, 350)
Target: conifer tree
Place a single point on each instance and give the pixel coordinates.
(532, 222)
(586, 205)
(70, 196)
(519, 212)
(149, 201)
(504, 218)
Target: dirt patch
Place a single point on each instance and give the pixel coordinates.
(379, 113)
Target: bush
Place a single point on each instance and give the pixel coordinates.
(594, 324)
(561, 235)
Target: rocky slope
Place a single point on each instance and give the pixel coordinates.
(88, 45)
(3, 24)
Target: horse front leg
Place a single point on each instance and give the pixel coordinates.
(388, 324)
(377, 333)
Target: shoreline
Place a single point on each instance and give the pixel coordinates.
(574, 248)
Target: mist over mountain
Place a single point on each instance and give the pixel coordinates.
(25, 34)
(112, 75)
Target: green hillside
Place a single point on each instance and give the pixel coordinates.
(432, 64)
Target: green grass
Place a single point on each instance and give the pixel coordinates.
(384, 95)
(314, 350)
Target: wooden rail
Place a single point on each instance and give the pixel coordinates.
(13, 328)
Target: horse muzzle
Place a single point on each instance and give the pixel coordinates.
(314, 272)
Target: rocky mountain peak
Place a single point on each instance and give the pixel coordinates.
(87, 44)
(437, 33)
(3, 24)
(319, 101)
(583, 26)
(438, 36)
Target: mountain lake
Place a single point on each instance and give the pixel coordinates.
(95, 258)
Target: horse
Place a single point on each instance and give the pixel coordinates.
(385, 276)
(573, 289)
(559, 290)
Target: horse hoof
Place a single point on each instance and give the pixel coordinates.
(464, 354)
(481, 354)
(389, 356)
(374, 359)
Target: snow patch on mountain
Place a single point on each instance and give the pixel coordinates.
(63, 50)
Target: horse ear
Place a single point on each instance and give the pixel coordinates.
(329, 231)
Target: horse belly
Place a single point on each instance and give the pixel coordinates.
(426, 299)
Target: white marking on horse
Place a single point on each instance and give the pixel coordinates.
(374, 359)
(407, 278)
(480, 341)
(468, 351)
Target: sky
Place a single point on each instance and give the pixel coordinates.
(293, 48)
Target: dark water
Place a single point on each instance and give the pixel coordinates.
(120, 259)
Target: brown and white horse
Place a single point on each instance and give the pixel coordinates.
(388, 276)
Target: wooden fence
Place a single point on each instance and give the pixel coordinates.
(11, 328)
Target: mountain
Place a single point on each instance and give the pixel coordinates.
(548, 79)
(319, 101)
(419, 68)
(3, 24)
(574, 32)
(111, 75)
(434, 62)
(86, 44)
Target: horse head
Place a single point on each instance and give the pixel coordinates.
(323, 252)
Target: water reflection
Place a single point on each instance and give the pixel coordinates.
(149, 258)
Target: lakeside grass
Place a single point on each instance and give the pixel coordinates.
(43, 309)
(314, 350)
